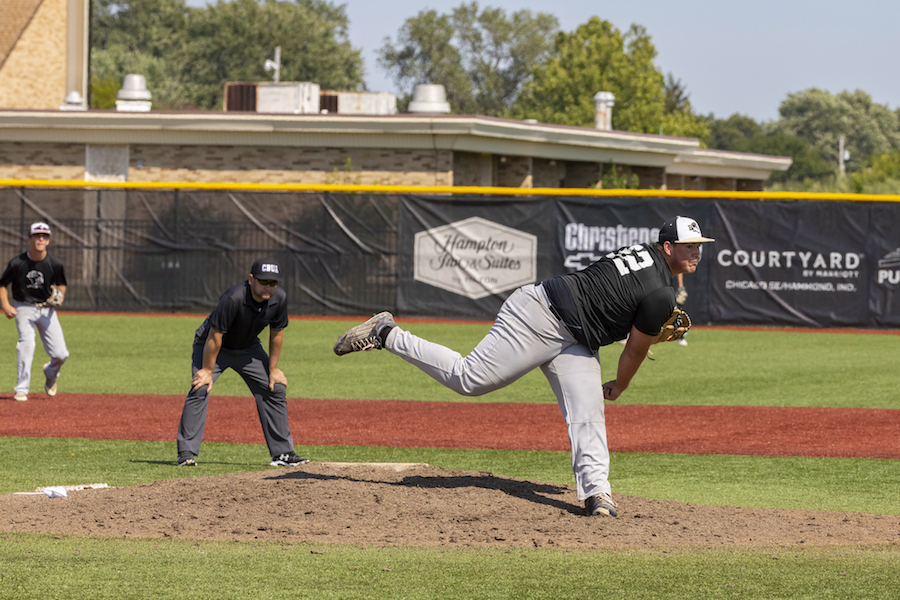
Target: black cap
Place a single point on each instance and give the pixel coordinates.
(266, 269)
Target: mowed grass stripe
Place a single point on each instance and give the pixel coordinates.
(130, 354)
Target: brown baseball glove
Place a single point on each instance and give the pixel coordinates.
(55, 299)
(677, 325)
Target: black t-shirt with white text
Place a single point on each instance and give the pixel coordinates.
(31, 280)
(629, 287)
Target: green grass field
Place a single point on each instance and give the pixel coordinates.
(148, 354)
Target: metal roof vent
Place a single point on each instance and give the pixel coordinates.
(73, 101)
(134, 96)
(603, 103)
(429, 98)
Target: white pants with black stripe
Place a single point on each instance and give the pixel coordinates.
(28, 318)
(527, 335)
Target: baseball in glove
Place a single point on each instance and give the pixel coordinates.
(677, 325)
(55, 299)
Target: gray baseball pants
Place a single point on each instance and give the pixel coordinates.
(28, 318)
(252, 365)
(527, 335)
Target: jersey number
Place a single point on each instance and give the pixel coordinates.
(631, 259)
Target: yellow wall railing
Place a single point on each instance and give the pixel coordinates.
(456, 190)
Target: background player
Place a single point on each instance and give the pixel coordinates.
(558, 325)
(32, 274)
(228, 339)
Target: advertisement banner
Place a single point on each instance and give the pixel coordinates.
(589, 228)
(790, 263)
(884, 259)
(463, 256)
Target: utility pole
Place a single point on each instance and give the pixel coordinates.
(842, 155)
(275, 65)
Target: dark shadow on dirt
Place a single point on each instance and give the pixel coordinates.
(525, 490)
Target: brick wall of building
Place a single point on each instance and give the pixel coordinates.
(582, 174)
(33, 74)
(512, 171)
(262, 164)
(650, 178)
(32, 160)
(473, 169)
(547, 173)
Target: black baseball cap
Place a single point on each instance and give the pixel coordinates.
(682, 230)
(266, 269)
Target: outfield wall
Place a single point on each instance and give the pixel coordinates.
(814, 261)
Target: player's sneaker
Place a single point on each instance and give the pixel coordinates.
(366, 336)
(600, 504)
(186, 459)
(49, 384)
(682, 342)
(288, 460)
(21, 397)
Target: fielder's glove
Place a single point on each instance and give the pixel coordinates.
(55, 299)
(673, 329)
(681, 295)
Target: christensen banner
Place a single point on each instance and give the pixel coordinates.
(589, 228)
(790, 263)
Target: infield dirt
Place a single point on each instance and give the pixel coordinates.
(389, 504)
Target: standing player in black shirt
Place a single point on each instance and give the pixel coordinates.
(228, 339)
(558, 325)
(31, 275)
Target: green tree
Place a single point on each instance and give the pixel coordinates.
(481, 57)
(678, 114)
(599, 57)
(740, 133)
(230, 41)
(821, 118)
(138, 36)
(188, 54)
(882, 176)
(153, 27)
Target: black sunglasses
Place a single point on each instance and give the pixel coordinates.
(267, 282)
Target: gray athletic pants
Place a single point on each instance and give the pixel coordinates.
(252, 365)
(527, 335)
(29, 317)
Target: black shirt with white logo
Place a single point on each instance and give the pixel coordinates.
(31, 280)
(600, 304)
(241, 319)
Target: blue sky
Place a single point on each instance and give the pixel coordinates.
(732, 56)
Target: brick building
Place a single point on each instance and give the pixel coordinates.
(45, 133)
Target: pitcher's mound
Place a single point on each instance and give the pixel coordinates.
(417, 504)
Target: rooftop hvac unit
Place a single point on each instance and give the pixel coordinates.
(358, 103)
(290, 98)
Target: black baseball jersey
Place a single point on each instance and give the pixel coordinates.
(241, 319)
(632, 286)
(31, 280)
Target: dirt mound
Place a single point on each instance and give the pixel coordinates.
(417, 504)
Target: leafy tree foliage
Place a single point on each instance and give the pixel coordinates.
(230, 41)
(188, 54)
(599, 57)
(481, 57)
(882, 176)
(740, 133)
(820, 118)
